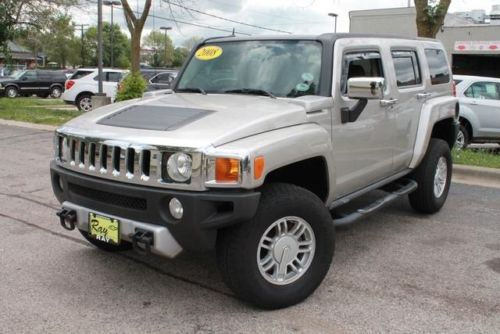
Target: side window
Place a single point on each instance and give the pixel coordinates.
(438, 66)
(80, 74)
(360, 64)
(113, 76)
(484, 90)
(407, 68)
(163, 78)
(29, 75)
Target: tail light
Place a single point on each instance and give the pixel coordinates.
(454, 88)
(69, 84)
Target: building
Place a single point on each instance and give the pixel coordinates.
(471, 39)
(20, 57)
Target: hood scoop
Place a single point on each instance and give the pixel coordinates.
(160, 118)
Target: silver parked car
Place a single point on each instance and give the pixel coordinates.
(479, 110)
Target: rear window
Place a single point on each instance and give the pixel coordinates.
(406, 67)
(438, 66)
(80, 74)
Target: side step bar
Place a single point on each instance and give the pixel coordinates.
(401, 190)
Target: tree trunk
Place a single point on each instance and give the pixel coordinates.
(135, 26)
(430, 18)
(136, 51)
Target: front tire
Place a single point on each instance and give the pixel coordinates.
(433, 176)
(282, 255)
(11, 92)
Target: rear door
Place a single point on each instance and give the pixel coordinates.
(483, 98)
(411, 94)
(110, 82)
(362, 149)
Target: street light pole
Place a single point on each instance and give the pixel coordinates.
(112, 31)
(335, 17)
(166, 41)
(99, 47)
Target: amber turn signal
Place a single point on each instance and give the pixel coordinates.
(227, 170)
(258, 167)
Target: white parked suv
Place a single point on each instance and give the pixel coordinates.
(479, 110)
(80, 87)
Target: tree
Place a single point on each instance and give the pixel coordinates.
(17, 13)
(162, 48)
(180, 55)
(60, 43)
(121, 46)
(135, 26)
(430, 16)
(191, 42)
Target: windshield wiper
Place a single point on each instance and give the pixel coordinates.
(251, 91)
(191, 90)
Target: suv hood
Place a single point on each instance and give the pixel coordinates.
(189, 120)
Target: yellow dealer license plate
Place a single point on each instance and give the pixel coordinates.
(104, 228)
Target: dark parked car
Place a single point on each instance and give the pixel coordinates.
(40, 82)
(159, 78)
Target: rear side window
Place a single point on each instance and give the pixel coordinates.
(438, 66)
(163, 78)
(406, 68)
(361, 64)
(484, 90)
(80, 74)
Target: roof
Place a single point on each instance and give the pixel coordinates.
(475, 78)
(323, 37)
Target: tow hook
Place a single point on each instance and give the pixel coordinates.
(68, 218)
(142, 241)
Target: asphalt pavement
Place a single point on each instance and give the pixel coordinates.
(395, 271)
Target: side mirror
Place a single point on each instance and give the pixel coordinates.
(366, 88)
(24, 78)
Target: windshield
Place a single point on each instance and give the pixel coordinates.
(286, 68)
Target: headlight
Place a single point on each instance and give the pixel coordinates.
(179, 167)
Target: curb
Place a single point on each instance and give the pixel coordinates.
(34, 126)
(482, 176)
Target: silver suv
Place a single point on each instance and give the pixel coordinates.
(479, 110)
(256, 151)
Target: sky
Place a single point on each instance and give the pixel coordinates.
(293, 16)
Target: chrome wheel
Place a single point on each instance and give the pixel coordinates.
(286, 250)
(460, 143)
(11, 92)
(85, 103)
(441, 176)
(56, 93)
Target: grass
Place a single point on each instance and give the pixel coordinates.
(35, 110)
(477, 157)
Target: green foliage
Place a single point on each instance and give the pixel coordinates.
(180, 55)
(121, 46)
(161, 49)
(132, 87)
(477, 157)
(191, 42)
(35, 110)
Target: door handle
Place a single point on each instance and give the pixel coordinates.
(387, 103)
(421, 96)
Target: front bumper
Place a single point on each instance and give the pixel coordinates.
(204, 212)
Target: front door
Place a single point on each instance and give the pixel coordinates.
(29, 83)
(483, 98)
(362, 149)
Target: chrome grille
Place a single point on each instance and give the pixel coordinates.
(116, 160)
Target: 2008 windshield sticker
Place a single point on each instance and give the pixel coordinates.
(208, 52)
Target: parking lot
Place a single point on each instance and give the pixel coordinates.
(396, 271)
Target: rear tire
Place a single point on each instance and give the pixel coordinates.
(463, 138)
(123, 246)
(433, 176)
(293, 234)
(56, 92)
(84, 102)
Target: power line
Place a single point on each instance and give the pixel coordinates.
(226, 19)
(195, 24)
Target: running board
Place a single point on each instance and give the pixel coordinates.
(401, 190)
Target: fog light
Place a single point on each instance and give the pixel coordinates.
(176, 209)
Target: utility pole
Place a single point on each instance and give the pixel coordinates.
(166, 42)
(82, 54)
(112, 32)
(99, 47)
